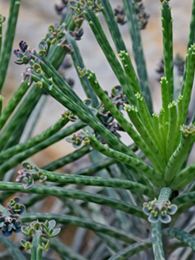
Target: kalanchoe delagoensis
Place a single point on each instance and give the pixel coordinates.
(23, 54)
(45, 231)
(76, 139)
(10, 217)
(77, 33)
(156, 212)
(28, 175)
(25, 178)
(70, 116)
(119, 99)
(188, 130)
(120, 15)
(55, 35)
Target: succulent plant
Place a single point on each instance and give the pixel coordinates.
(136, 197)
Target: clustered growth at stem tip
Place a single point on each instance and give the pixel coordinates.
(10, 217)
(160, 213)
(117, 176)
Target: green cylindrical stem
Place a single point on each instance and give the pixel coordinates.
(157, 244)
(164, 196)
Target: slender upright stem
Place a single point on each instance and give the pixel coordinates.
(157, 244)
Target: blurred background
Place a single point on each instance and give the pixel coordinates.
(34, 18)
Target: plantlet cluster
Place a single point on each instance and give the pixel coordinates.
(138, 199)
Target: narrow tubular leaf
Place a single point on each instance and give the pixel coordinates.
(74, 194)
(127, 126)
(153, 152)
(133, 162)
(112, 25)
(146, 118)
(90, 119)
(18, 121)
(8, 153)
(95, 167)
(64, 251)
(13, 103)
(20, 117)
(183, 236)
(114, 111)
(12, 248)
(128, 67)
(79, 153)
(187, 198)
(79, 64)
(56, 78)
(188, 82)
(108, 52)
(2, 19)
(129, 7)
(191, 39)
(1, 104)
(172, 129)
(8, 40)
(131, 250)
(81, 222)
(177, 159)
(168, 47)
(95, 181)
(165, 96)
(185, 177)
(18, 158)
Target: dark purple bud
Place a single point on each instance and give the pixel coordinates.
(23, 46)
(77, 34)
